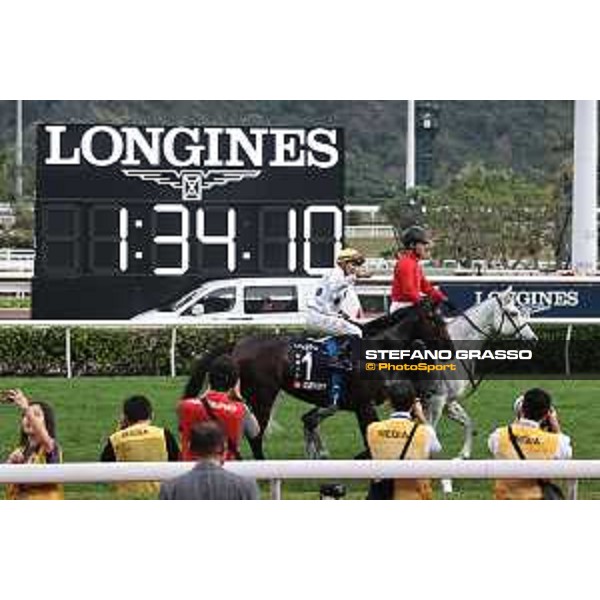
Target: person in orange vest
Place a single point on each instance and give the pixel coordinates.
(37, 445)
(407, 433)
(138, 440)
(221, 403)
(536, 434)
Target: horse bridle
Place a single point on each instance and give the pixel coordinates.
(505, 315)
(487, 337)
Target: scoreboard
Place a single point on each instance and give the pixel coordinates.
(129, 217)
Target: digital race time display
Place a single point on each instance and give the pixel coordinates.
(129, 218)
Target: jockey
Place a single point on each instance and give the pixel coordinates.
(328, 311)
(410, 288)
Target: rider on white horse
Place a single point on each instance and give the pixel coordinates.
(410, 288)
(329, 311)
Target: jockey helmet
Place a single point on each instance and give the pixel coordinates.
(414, 235)
(350, 255)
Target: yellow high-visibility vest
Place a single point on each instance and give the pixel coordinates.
(386, 441)
(139, 443)
(536, 444)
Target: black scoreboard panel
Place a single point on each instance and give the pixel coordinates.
(101, 255)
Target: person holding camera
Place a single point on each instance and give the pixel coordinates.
(534, 435)
(222, 403)
(404, 435)
(37, 445)
(137, 439)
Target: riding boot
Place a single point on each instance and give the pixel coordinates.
(336, 391)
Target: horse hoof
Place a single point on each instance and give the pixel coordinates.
(332, 491)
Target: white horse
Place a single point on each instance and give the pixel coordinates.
(496, 316)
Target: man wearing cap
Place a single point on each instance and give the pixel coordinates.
(410, 286)
(411, 291)
(535, 435)
(328, 311)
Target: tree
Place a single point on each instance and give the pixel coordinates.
(493, 214)
(482, 213)
(406, 208)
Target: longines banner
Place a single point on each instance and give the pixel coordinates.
(551, 298)
(192, 163)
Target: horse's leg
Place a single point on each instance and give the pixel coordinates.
(456, 412)
(314, 446)
(261, 402)
(433, 405)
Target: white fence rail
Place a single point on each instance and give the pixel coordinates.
(369, 231)
(277, 471)
(16, 259)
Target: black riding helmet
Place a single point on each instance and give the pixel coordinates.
(414, 235)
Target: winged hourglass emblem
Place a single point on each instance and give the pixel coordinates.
(192, 182)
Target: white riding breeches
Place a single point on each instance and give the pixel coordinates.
(394, 306)
(332, 324)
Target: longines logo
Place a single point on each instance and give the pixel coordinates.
(190, 182)
(538, 301)
(194, 147)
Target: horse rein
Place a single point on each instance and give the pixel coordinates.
(485, 334)
(487, 337)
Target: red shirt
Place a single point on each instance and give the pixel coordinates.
(229, 412)
(410, 282)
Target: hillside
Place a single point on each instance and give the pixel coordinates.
(532, 137)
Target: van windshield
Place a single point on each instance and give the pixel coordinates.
(217, 301)
(177, 304)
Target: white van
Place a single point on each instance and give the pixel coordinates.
(269, 301)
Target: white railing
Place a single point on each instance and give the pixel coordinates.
(276, 471)
(16, 259)
(369, 231)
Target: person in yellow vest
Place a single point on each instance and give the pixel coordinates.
(138, 440)
(537, 433)
(387, 439)
(37, 445)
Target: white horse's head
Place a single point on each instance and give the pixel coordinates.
(509, 319)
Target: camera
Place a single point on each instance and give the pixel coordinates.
(6, 396)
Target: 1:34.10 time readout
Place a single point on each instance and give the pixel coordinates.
(297, 240)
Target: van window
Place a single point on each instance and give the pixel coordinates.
(217, 301)
(374, 305)
(270, 299)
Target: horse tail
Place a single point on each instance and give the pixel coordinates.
(200, 368)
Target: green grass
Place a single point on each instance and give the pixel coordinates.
(87, 410)
(12, 302)
(372, 247)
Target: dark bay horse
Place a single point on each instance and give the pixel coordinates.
(265, 369)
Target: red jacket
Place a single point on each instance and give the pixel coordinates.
(410, 282)
(229, 412)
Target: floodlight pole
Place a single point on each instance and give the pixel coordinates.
(584, 234)
(19, 152)
(410, 145)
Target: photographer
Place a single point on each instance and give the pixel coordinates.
(534, 435)
(405, 434)
(37, 445)
(221, 403)
(139, 440)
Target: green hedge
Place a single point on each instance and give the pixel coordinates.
(41, 351)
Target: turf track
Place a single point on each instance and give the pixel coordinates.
(88, 408)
